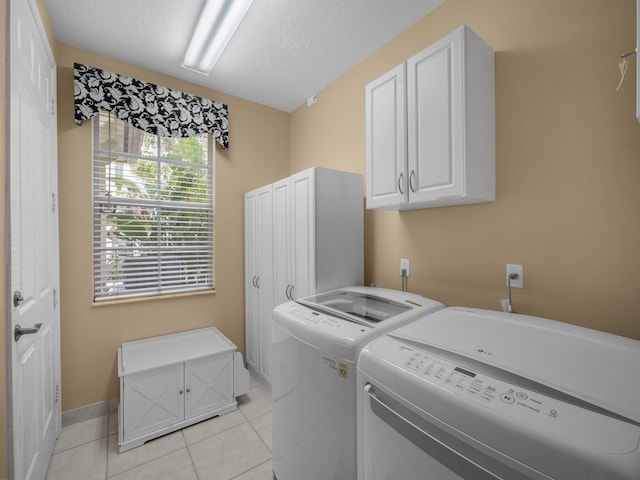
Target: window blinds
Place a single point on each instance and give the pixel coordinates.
(153, 204)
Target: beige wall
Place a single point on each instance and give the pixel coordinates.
(258, 154)
(568, 166)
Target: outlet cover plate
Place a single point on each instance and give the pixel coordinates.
(404, 265)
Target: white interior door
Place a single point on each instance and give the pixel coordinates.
(34, 412)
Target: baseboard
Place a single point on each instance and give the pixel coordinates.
(256, 379)
(88, 412)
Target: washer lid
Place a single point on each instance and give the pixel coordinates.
(593, 366)
(359, 305)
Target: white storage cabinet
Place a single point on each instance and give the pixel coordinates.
(172, 381)
(258, 214)
(307, 237)
(430, 127)
(318, 233)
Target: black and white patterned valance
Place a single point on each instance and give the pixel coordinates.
(152, 108)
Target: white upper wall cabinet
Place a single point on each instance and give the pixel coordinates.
(386, 148)
(431, 127)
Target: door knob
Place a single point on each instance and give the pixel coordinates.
(19, 331)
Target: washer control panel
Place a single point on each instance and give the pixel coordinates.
(307, 315)
(322, 324)
(541, 411)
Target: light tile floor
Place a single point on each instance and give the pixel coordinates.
(233, 446)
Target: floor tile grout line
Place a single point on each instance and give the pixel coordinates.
(105, 436)
(193, 464)
(186, 446)
(80, 444)
(106, 467)
(258, 433)
(217, 433)
(226, 431)
(248, 470)
(143, 463)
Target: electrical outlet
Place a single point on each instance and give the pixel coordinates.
(518, 281)
(404, 265)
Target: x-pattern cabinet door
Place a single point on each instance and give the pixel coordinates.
(208, 384)
(155, 399)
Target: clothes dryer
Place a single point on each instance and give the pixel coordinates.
(316, 342)
(478, 395)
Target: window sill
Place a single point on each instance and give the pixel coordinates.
(146, 298)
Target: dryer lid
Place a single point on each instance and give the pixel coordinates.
(593, 366)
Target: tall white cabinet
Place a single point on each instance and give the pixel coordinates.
(312, 241)
(258, 215)
(430, 127)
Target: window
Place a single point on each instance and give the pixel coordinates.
(153, 209)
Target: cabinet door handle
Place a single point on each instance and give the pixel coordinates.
(286, 292)
(181, 392)
(258, 283)
(188, 390)
(400, 182)
(411, 177)
(289, 292)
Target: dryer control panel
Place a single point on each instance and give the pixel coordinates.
(542, 410)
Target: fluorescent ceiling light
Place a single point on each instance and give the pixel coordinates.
(217, 24)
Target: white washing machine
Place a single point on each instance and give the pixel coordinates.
(477, 394)
(316, 342)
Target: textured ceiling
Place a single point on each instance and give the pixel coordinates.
(283, 52)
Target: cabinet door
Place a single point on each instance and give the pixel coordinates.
(153, 399)
(264, 236)
(386, 147)
(208, 384)
(303, 233)
(282, 258)
(435, 120)
(250, 276)
(258, 210)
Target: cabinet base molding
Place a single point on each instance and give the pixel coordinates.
(139, 441)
